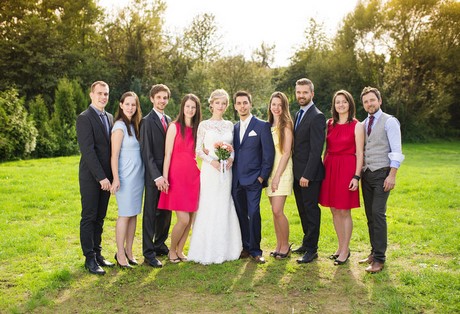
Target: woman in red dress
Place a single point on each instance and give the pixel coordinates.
(181, 173)
(343, 161)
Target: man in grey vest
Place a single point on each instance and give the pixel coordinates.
(382, 158)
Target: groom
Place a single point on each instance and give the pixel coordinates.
(254, 156)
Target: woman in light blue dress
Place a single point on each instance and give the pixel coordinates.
(128, 175)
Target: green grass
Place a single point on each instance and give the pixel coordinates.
(41, 266)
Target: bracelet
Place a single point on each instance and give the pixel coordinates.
(356, 177)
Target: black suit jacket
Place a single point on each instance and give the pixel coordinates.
(308, 145)
(94, 143)
(152, 141)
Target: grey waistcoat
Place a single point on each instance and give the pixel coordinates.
(377, 146)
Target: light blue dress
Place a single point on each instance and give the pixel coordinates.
(131, 173)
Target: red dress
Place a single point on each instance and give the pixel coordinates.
(340, 166)
(184, 175)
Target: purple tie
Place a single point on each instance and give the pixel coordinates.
(369, 125)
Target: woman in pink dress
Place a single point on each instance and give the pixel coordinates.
(181, 173)
(343, 161)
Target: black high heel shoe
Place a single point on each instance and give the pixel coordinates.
(339, 262)
(274, 253)
(284, 255)
(122, 266)
(132, 262)
(333, 256)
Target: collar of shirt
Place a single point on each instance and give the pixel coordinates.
(376, 115)
(246, 122)
(97, 110)
(306, 107)
(159, 114)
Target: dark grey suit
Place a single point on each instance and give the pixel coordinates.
(94, 143)
(309, 139)
(155, 224)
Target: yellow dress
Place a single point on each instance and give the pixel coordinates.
(287, 178)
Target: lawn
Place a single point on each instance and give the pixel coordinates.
(41, 265)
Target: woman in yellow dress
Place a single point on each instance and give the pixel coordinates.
(281, 179)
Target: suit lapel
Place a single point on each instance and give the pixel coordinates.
(250, 126)
(95, 116)
(157, 122)
(236, 133)
(307, 117)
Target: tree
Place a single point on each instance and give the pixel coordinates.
(17, 132)
(47, 144)
(63, 119)
(45, 40)
(264, 55)
(235, 73)
(135, 45)
(201, 38)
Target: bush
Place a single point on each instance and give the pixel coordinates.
(17, 132)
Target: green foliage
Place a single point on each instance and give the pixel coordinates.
(17, 132)
(47, 144)
(407, 49)
(63, 119)
(201, 39)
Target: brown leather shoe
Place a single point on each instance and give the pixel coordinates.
(259, 259)
(367, 260)
(375, 267)
(244, 254)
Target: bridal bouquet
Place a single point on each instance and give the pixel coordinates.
(223, 152)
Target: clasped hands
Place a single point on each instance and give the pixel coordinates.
(162, 184)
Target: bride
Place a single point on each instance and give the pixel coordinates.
(216, 235)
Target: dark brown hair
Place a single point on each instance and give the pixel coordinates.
(196, 118)
(136, 118)
(351, 106)
(242, 93)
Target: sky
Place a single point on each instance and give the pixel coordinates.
(245, 24)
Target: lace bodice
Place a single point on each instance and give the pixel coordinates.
(211, 132)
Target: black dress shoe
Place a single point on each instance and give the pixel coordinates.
(307, 258)
(103, 262)
(93, 267)
(300, 250)
(153, 262)
(163, 251)
(127, 266)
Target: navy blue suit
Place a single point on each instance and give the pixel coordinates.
(254, 158)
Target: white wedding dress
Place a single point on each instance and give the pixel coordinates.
(216, 234)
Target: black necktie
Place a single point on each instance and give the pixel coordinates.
(369, 125)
